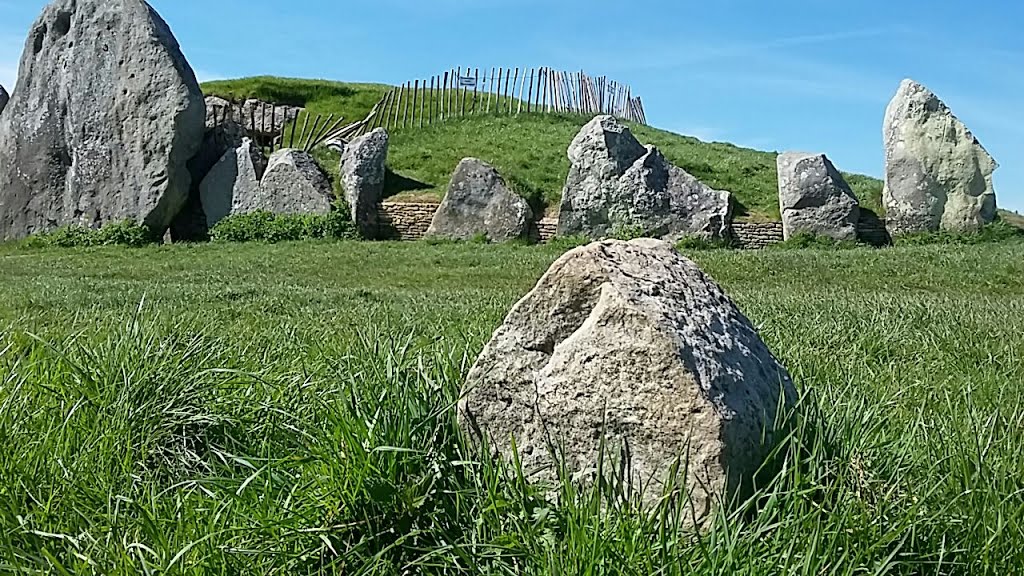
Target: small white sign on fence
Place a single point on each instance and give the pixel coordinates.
(469, 81)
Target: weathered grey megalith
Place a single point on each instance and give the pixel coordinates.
(479, 202)
(814, 198)
(937, 175)
(4, 99)
(630, 339)
(233, 184)
(106, 116)
(616, 183)
(293, 184)
(363, 170)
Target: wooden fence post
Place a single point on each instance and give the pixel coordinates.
(423, 102)
(430, 112)
(415, 100)
(512, 100)
(476, 87)
(448, 94)
(490, 89)
(295, 123)
(529, 96)
(542, 84)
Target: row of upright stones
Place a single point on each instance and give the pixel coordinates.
(937, 177)
(108, 124)
(112, 127)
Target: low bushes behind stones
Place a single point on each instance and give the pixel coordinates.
(265, 226)
(124, 233)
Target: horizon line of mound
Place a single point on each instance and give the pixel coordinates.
(105, 118)
(629, 346)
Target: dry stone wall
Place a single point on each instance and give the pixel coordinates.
(754, 235)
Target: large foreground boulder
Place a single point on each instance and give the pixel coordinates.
(293, 184)
(615, 183)
(233, 184)
(937, 175)
(629, 343)
(4, 99)
(479, 202)
(363, 170)
(106, 116)
(814, 198)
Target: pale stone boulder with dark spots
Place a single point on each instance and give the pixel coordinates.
(630, 345)
(479, 202)
(937, 175)
(105, 118)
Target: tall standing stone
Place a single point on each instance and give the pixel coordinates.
(629, 344)
(814, 198)
(937, 175)
(478, 201)
(4, 99)
(233, 184)
(363, 171)
(615, 183)
(106, 116)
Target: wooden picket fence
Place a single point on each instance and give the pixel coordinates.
(460, 92)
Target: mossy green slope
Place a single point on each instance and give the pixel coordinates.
(528, 149)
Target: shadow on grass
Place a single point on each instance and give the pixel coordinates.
(395, 184)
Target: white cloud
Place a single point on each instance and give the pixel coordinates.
(207, 75)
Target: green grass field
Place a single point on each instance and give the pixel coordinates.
(528, 149)
(287, 409)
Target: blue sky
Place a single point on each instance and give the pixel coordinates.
(781, 75)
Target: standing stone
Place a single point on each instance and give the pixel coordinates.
(106, 116)
(233, 184)
(222, 136)
(937, 175)
(293, 184)
(363, 170)
(4, 99)
(814, 198)
(479, 202)
(615, 183)
(629, 340)
(598, 156)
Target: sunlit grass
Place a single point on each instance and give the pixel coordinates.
(288, 409)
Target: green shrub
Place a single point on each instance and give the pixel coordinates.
(569, 242)
(700, 243)
(998, 231)
(805, 240)
(622, 231)
(124, 233)
(269, 227)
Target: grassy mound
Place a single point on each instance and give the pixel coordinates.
(528, 149)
